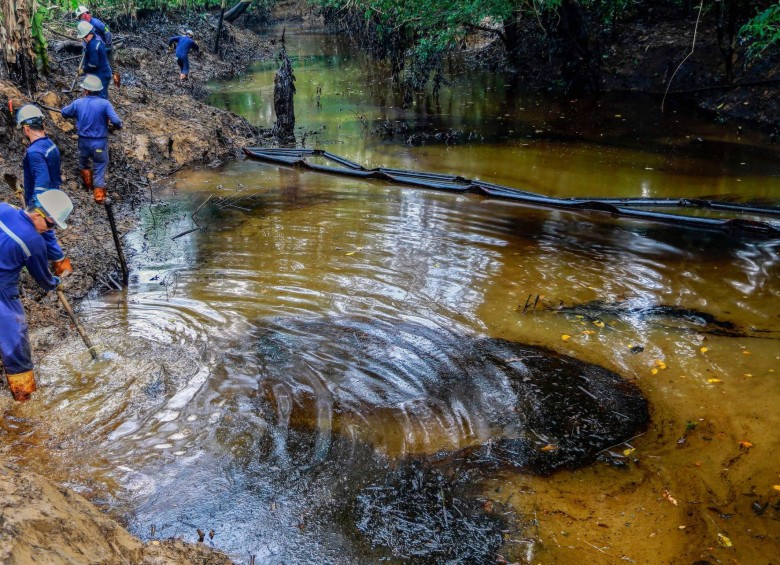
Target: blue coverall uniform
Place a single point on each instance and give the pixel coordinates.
(92, 115)
(20, 246)
(41, 166)
(184, 44)
(96, 62)
(102, 31)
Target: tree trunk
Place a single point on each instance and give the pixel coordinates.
(284, 89)
(17, 61)
(219, 27)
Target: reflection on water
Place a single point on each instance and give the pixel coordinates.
(174, 426)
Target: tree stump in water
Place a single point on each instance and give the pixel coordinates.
(284, 90)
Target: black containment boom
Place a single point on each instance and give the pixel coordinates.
(636, 208)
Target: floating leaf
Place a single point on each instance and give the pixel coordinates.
(549, 447)
(668, 496)
(628, 452)
(704, 349)
(714, 381)
(745, 444)
(723, 541)
(565, 337)
(660, 364)
(653, 371)
(598, 323)
(351, 252)
(776, 487)
(746, 353)
(588, 332)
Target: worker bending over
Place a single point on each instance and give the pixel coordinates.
(41, 166)
(184, 43)
(22, 245)
(93, 114)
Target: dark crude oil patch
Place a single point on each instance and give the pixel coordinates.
(539, 412)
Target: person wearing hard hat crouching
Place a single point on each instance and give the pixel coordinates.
(22, 245)
(41, 166)
(93, 114)
(102, 31)
(95, 56)
(184, 43)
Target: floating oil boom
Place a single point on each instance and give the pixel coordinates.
(624, 207)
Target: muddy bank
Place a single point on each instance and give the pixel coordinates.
(45, 524)
(165, 129)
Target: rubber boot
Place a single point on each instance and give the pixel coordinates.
(22, 385)
(117, 80)
(100, 195)
(86, 178)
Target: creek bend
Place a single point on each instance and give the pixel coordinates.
(179, 427)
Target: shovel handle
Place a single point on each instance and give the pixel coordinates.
(79, 327)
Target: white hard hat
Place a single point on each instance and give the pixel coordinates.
(81, 10)
(28, 115)
(92, 83)
(57, 205)
(84, 29)
(189, 32)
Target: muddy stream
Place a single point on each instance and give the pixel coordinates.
(323, 373)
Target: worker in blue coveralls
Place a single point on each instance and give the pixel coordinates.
(95, 56)
(102, 31)
(21, 245)
(41, 166)
(93, 115)
(184, 43)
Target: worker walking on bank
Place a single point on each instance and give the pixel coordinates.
(41, 166)
(104, 34)
(93, 115)
(95, 56)
(184, 43)
(21, 245)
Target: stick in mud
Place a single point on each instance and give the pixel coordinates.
(79, 327)
(117, 242)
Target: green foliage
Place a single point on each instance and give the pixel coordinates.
(762, 31)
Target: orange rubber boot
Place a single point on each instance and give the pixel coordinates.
(86, 178)
(22, 385)
(100, 195)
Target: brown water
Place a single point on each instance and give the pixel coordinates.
(175, 426)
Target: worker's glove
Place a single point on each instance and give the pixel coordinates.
(58, 281)
(62, 268)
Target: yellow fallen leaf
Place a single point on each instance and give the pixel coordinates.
(776, 487)
(714, 381)
(653, 371)
(747, 375)
(565, 337)
(704, 349)
(723, 541)
(660, 364)
(598, 323)
(628, 452)
(351, 253)
(746, 353)
(549, 447)
(579, 316)
(745, 444)
(588, 332)
(668, 496)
